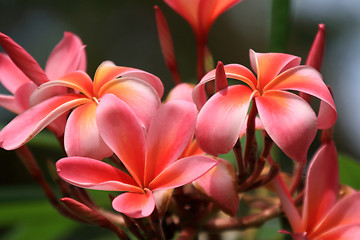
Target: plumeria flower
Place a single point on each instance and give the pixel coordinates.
(323, 217)
(21, 74)
(201, 14)
(220, 183)
(140, 90)
(151, 159)
(286, 117)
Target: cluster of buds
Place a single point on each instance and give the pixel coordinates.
(166, 158)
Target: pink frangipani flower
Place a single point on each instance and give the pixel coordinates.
(323, 217)
(201, 14)
(21, 74)
(138, 89)
(287, 118)
(150, 158)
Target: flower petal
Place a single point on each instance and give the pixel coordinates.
(93, 174)
(138, 95)
(317, 50)
(107, 71)
(321, 187)
(289, 121)
(170, 131)
(268, 65)
(135, 205)
(10, 75)
(23, 60)
(182, 172)
(25, 126)
(233, 71)
(78, 80)
(66, 57)
(221, 119)
(8, 102)
(307, 80)
(182, 91)
(187, 9)
(122, 132)
(345, 212)
(82, 136)
(351, 231)
(220, 184)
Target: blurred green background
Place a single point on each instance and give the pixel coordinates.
(124, 32)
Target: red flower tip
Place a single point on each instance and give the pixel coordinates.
(220, 77)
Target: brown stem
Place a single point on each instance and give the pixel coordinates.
(237, 150)
(254, 175)
(250, 145)
(298, 171)
(155, 221)
(273, 172)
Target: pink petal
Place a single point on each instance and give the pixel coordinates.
(268, 65)
(8, 102)
(107, 71)
(138, 95)
(162, 200)
(234, 71)
(25, 126)
(65, 57)
(10, 75)
(317, 50)
(182, 91)
(321, 187)
(220, 184)
(93, 174)
(221, 119)
(346, 232)
(220, 77)
(289, 121)
(23, 94)
(187, 9)
(307, 80)
(135, 205)
(82, 136)
(209, 10)
(182, 172)
(345, 212)
(79, 81)
(122, 132)
(23, 60)
(170, 131)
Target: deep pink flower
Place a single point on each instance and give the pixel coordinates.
(138, 89)
(323, 217)
(287, 118)
(150, 158)
(21, 74)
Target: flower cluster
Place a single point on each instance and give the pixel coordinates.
(165, 158)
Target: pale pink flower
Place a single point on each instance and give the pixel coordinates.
(287, 118)
(150, 158)
(21, 74)
(140, 90)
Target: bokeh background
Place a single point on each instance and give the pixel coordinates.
(124, 32)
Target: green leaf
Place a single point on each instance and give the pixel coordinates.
(349, 169)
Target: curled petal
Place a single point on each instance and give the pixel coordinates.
(107, 72)
(139, 96)
(289, 121)
(322, 186)
(66, 57)
(220, 184)
(93, 174)
(82, 136)
(345, 212)
(234, 71)
(170, 131)
(268, 65)
(25, 126)
(221, 119)
(307, 80)
(135, 205)
(23, 60)
(182, 172)
(317, 50)
(122, 132)
(10, 75)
